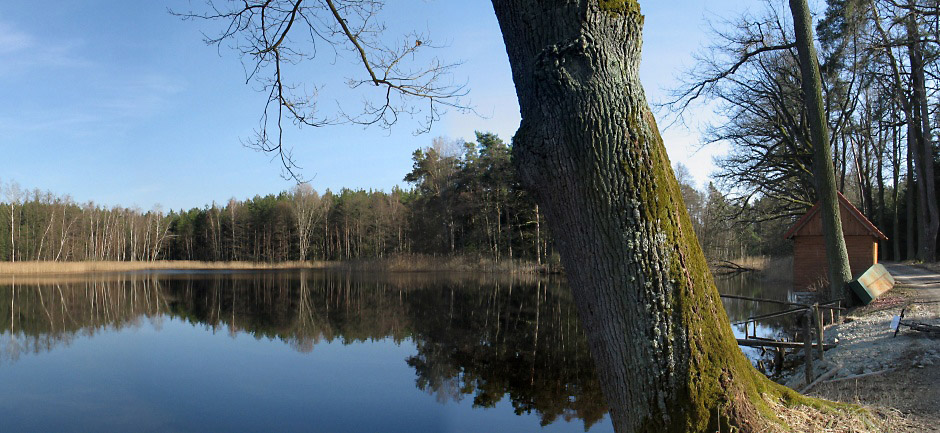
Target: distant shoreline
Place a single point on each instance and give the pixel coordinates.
(68, 268)
(402, 263)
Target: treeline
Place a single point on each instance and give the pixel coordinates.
(879, 62)
(464, 201)
(728, 229)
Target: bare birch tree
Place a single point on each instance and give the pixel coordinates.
(309, 210)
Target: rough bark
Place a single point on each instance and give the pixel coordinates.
(923, 149)
(590, 151)
(895, 191)
(913, 140)
(910, 191)
(837, 256)
(880, 181)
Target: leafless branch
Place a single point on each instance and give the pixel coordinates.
(274, 38)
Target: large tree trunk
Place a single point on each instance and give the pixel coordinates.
(837, 256)
(895, 184)
(923, 150)
(590, 151)
(880, 181)
(911, 191)
(913, 138)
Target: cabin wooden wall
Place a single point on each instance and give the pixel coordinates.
(809, 257)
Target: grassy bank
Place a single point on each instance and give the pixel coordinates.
(400, 263)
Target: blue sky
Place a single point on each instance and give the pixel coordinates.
(121, 103)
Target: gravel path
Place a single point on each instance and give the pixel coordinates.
(924, 278)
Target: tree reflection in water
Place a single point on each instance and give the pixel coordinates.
(481, 338)
(754, 286)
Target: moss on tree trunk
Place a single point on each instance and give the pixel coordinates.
(590, 151)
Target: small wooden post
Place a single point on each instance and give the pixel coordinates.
(778, 360)
(808, 344)
(819, 329)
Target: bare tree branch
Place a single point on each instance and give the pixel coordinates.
(274, 37)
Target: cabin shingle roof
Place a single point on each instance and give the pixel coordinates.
(845, 204)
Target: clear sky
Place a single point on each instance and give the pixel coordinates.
(121, 103)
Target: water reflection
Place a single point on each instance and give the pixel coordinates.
(754, 286)
(483, 340)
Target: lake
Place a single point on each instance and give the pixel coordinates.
(304, 351)
(294, 351)
(754, 286)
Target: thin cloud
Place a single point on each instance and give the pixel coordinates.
(22, 52)
(116, 106)
(12, 40)
(139, 97)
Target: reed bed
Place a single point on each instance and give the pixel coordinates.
(423, 263)
(771, 269)
(398, 263)
(37, 268)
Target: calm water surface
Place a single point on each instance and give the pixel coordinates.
(291, 351)
(307, 351)
(752, 285)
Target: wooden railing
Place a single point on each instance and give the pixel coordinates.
(812, 319)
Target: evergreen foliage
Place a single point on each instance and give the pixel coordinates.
(465, 200)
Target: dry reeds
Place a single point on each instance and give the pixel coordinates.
(397, 263)
(778, 269)
(46, 268)
(423, 263)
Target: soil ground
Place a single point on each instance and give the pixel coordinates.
(898, 378)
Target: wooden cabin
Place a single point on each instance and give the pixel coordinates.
(809, 251)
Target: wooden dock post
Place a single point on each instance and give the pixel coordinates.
(778, 360)
(819, 329)
(808, 344)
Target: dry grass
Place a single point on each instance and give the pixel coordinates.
(840, 419)
(778, 269)
(775, 269)
(422, 263)
(39, 268)
(399, 263)
(907, 397)
(904, 400)
(753, 262)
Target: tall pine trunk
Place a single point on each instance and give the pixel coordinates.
(923, 149)
(910, 193)
(837, 256)
(589, 150)
(895, 183)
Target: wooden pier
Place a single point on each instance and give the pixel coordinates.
(812, 320)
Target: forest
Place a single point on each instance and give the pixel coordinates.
(879, 69)
(464, 200)
(879, 64)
